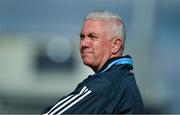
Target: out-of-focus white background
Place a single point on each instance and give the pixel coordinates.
(39, 50)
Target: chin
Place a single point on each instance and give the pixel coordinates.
(87, 62)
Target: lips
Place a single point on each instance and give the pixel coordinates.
(85, 53)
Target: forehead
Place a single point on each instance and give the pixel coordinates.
(94, 26)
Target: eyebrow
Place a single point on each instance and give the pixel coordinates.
(92, 34)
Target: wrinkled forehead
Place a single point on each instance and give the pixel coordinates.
(94, 26)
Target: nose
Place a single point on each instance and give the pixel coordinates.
(85, 42)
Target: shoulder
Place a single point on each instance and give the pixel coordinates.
(129, 92)
(129, 84)
(123, 82)
(117, 76)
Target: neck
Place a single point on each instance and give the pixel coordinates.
(116, 55)
(95, 68)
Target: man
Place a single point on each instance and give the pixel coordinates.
(112, 89)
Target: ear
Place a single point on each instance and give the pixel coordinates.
(116, 45)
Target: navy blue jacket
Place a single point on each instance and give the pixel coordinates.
(112, 89)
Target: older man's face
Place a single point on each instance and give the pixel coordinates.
(95, 46)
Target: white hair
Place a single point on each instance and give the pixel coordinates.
(116, 23)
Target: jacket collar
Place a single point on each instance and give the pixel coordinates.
(116, 61)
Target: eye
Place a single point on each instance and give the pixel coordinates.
(92, 36)
(81, 36)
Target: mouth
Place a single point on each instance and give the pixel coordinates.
(85, 53)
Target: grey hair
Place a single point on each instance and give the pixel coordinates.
(116, 22)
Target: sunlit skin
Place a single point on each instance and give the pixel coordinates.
(95, 45)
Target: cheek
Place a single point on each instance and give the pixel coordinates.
(102, 47)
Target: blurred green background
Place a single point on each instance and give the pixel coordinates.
(39, 50)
